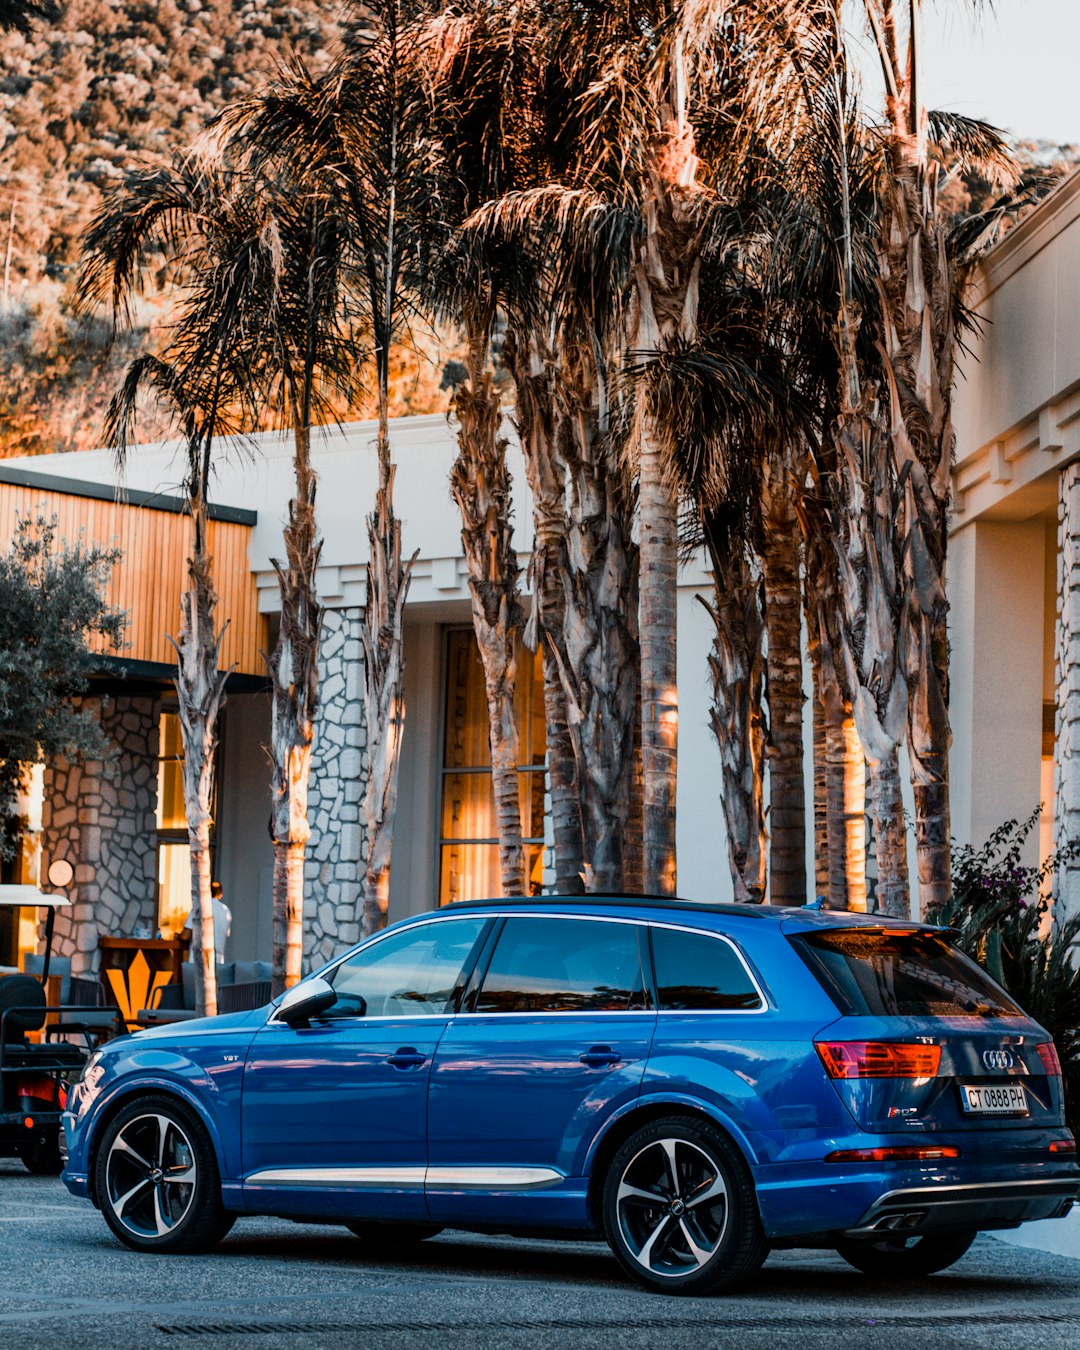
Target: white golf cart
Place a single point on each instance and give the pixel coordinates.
(35, 1074)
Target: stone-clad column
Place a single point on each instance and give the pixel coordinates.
(333, 869)
(1067, 718)
(101, 816)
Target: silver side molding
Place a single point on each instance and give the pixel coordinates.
(410, 1178)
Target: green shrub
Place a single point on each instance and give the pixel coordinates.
(998, 912)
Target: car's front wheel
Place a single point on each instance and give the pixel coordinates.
(156, 1179)
(905, 1259)
(680, 1212)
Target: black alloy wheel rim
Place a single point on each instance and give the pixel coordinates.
(150, 1176)
(672, 1208)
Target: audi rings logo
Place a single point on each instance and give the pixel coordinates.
(997, 1059)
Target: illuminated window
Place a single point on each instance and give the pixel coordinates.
(468, 842)
(173, 851)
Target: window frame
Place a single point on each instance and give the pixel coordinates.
(480, 958)
(328, 972)
(172, 835)
(764, 1002)
(480, 970)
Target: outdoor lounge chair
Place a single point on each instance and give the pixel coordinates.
(241, 985)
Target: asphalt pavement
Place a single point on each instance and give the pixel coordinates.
(273, 1285)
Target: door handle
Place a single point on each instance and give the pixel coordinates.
(600, 1055)
(406, 1058)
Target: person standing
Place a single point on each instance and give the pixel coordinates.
(222, 920)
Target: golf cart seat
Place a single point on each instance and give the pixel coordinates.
(21, 998)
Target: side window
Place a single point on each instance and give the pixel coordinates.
(564, 965)
(409, 974)
(698, 972)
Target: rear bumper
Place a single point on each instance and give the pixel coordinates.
(912, 1210)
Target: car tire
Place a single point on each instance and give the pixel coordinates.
(907, 1259)
(42, 1157)
(394, 1235)
(680, 1211)
(156, 1179)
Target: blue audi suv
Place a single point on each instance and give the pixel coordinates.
(698, 1083)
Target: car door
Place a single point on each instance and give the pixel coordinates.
(552, 1041)
(334, 1113)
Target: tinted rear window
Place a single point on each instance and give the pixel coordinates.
(876, 973)
(694, 971)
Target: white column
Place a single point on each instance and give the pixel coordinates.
(996, 597)
(1067, 720)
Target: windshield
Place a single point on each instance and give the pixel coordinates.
(886, 973)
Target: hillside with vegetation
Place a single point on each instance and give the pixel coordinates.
(106, 85)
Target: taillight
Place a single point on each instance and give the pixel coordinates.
(1049, 1056)
(879, 1059)
(1063, 1145)
(905, 1153)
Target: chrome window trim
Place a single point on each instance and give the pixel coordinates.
(541, 913)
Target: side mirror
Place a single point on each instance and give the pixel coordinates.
(305, 1001)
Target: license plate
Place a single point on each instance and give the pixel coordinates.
(1005, 1099)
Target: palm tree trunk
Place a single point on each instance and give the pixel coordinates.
(820, 751)
(890, 838)
(288, 930)
(658, 518)
(601, 650)
(665, 299)
(737, 665)
(547, 625)
(294, 677)
(632, 856)
(843, 848)
(204, 951)
(846, 812)
(384, 695)
(480, 483)
(200, 689)
(561, 765)
(787, 791)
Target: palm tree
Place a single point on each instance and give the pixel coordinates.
(360, 136)
(923, 266)
(476, 93)
(200, 681)
(302, 351)
(194, 215)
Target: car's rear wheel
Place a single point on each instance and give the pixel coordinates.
(907, 1258)
(41, 1156)
(680, 1212)
(156, 1179)
(394, 1235)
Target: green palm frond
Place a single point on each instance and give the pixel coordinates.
(966, 144)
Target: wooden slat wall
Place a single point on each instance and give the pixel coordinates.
(148, 580)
